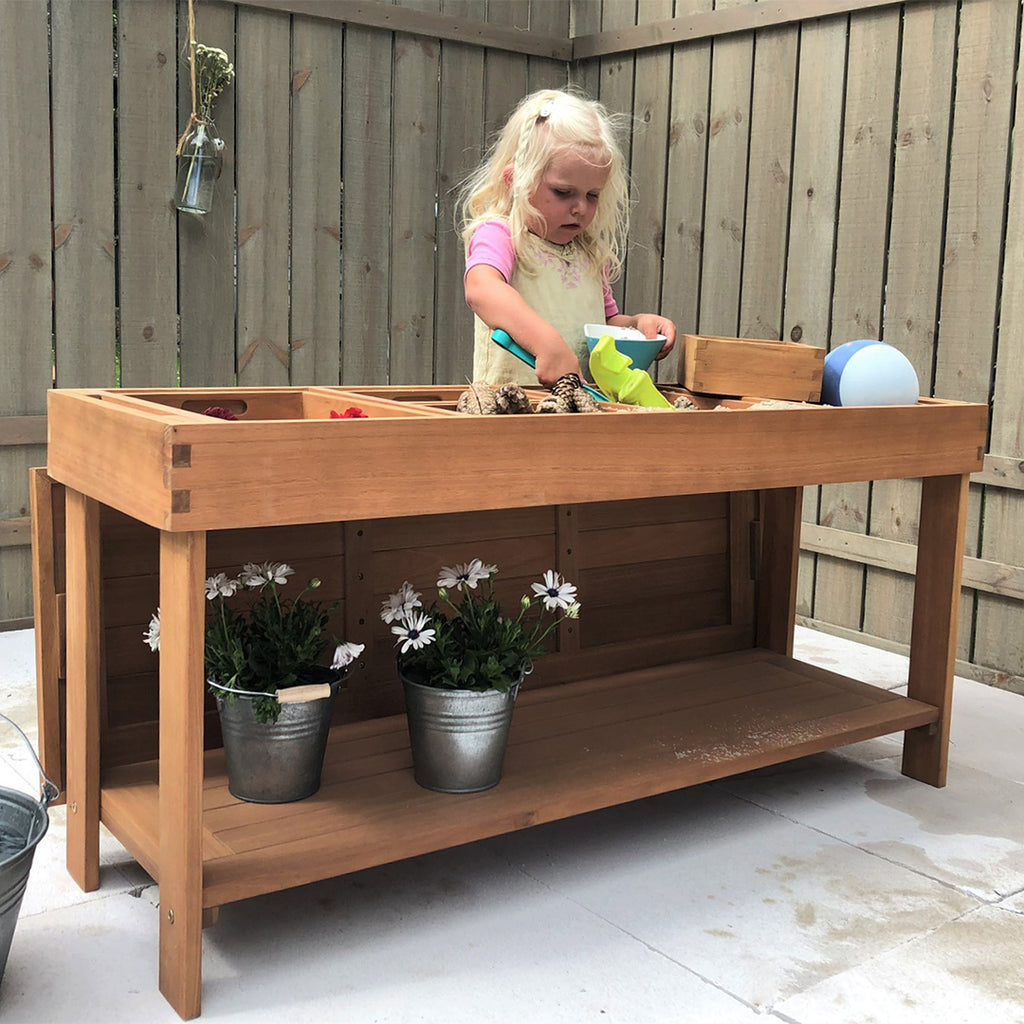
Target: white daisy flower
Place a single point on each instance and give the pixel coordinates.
(555, 592)
(399, 604)
(221, 585)
(152, 635)
(412, 633)
(345, 654)
(469, 574)
(254, 575)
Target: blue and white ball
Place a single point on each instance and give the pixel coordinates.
(868, 372)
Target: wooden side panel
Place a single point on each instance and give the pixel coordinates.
(315, 340)
(659, 580)
(47, 575)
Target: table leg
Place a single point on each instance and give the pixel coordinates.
(84, 669)
(182, 611)
(779, 566)
(940, 556)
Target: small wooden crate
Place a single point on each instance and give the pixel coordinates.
(742, 366)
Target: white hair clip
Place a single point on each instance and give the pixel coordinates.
(546, 110)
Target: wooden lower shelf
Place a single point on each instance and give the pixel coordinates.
(574, 748)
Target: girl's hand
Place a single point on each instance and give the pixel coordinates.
(556, 361)
(651, 325)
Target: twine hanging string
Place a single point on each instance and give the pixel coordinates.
(193, 118)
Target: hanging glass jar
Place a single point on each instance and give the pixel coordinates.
(200, 157)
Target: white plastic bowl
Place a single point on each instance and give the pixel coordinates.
(639, 349)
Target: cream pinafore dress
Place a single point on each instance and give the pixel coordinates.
(566, 290)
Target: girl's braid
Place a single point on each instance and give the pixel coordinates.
(525, 135)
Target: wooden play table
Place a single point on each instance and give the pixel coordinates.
(681, 530)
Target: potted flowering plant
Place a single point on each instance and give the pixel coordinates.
(263, 665)
(461, 662)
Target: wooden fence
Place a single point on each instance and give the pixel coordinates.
(818, 170)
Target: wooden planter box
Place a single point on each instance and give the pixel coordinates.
(681, 530)
(740, 366)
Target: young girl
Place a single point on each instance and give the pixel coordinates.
(544, 220)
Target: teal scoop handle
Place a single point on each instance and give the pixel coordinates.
(504, 339)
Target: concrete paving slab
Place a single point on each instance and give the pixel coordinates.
(964, 972)
(969, 835)
(457, 938)
(755, 902)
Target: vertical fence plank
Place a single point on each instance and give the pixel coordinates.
(978, 181)
(366, 225)
(506, 80)
(860, 267)
(460, 149)
(912, 285)
(206, 243)
(263, 86)
(146, 108)
(768, 183)
(616, 93)
(585, 20)
(25, 264)
(315, 335)
(82, 42)
(725, 190)
(817, 143)
(652, 87)
(684, 196)
(551, 18)
(413, 202)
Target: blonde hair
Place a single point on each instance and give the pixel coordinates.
(545, 124)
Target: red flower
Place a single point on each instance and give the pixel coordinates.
(220, 412)
(353, 412)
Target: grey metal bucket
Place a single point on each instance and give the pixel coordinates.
(23, 822)
(458, 737)
(279, 762)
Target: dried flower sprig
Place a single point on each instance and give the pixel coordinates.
(214, 73)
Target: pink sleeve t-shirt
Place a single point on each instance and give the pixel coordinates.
(491, 245)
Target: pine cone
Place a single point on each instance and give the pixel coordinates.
(566, 386)
(554, 403)
(511, 399)
(585, 401)
(477, 400)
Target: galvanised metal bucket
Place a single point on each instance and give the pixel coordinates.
(276, 763)
(23, 822)
(458, 737)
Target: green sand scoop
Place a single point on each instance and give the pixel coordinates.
(615, 375)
